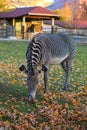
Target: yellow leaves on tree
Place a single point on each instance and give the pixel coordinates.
(2, 5)
(59, 12)
(66, 13)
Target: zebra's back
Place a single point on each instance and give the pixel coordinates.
(55, 47)
(50, 48)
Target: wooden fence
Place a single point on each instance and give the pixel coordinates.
(72, 31)
(7, 31)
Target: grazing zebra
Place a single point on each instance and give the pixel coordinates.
(45, 49)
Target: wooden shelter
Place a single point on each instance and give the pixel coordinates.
(28, 19)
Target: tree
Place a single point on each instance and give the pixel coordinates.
(2, 5)
(74, 5)
(83, 12)
(66, 12)
(59, 12)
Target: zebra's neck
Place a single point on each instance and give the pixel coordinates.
(36, 53)
(33, 55)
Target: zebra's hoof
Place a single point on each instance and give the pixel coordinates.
(39, 71)
(64, 89)
(44, 92)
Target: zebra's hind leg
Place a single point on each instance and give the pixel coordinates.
(63, 64)
(66, 65)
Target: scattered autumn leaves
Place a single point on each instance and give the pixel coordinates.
(10, 73)
(49, 114)
(56, 110)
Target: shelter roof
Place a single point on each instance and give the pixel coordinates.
(19, 12)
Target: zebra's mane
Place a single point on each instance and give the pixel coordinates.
(32, 54)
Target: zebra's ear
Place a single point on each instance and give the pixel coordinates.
(44, 68)
(23, 68)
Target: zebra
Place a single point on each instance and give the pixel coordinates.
(46, 49)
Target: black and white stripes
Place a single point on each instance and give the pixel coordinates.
(45, 49)
(50, 49)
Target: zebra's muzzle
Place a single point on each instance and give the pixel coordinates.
(31, 99)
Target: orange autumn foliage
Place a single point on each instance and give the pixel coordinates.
(66, 13)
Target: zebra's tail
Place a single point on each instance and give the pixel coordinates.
(22, 68)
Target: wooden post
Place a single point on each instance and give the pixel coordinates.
(52, 27)
(14, 28)
(42, 26)
(13, 22)
(23, 27)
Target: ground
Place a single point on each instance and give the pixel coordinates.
(56, 110)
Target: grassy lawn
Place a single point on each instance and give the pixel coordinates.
(56, 110)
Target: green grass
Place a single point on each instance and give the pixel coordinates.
(13, 90)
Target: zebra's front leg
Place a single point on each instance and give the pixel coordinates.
(45, 80)
(67, 75)
(45, 69)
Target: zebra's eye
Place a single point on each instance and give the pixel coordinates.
(29, 72)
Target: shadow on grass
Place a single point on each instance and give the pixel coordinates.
(15, 90)
(15, 97)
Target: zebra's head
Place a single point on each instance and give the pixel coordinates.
(32, 82)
